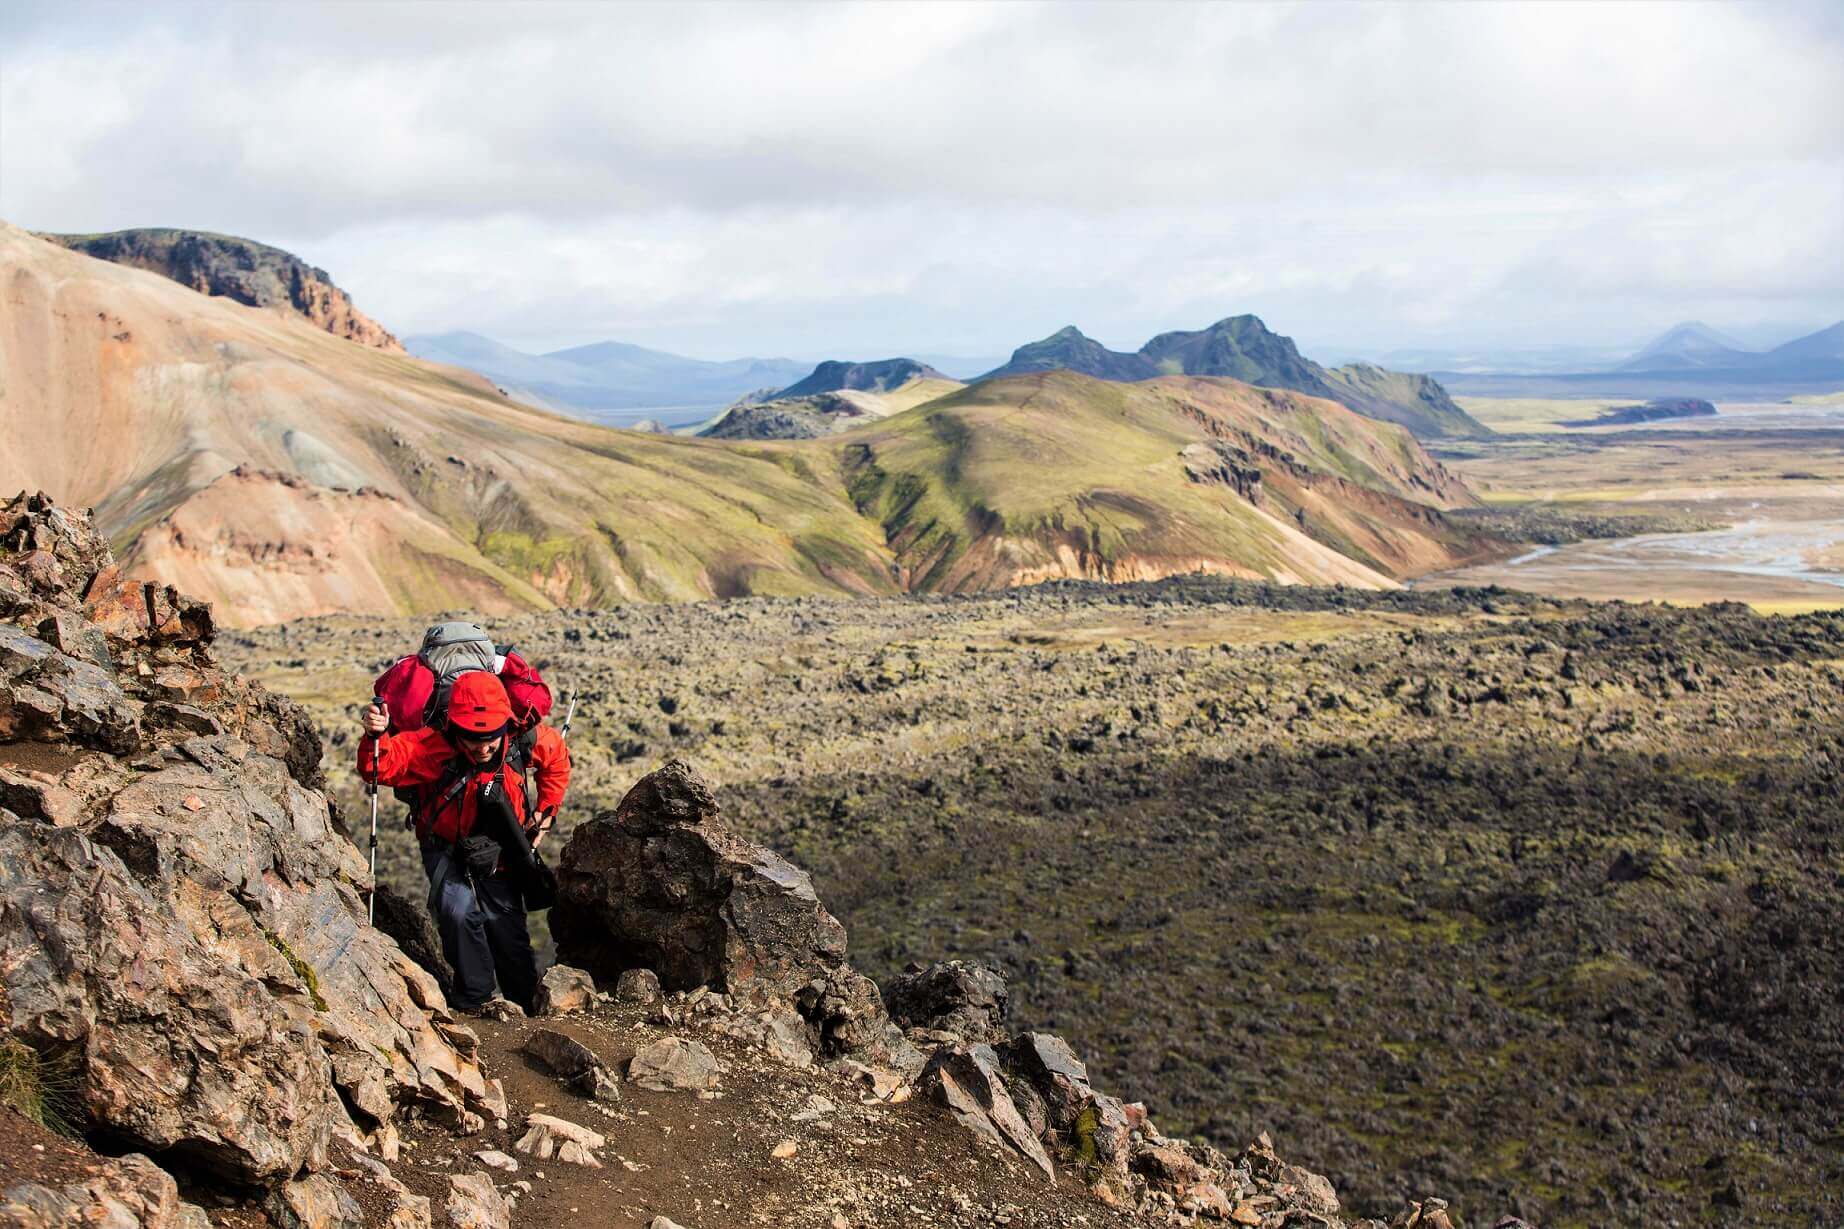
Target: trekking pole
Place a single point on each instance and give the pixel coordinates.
(568, 713)
(371, 787)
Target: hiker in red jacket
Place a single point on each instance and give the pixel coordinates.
(472, 792)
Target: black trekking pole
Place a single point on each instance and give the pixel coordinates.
(371, 787)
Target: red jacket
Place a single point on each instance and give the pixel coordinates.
(421, 758)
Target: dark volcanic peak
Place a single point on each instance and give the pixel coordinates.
(1068, 349)
(875, 377)
(1244, 348)
(252, 273)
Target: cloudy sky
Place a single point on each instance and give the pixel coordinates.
(861, 180)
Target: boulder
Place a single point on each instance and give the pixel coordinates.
(1044, 1072)
(129, 1192)
(662, 883)
(966, 1080)
(956, 997)
(674, 1064)
(563, 990)
(180, 1050)
(638, 986)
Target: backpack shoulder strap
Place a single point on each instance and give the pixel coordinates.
(518, 756)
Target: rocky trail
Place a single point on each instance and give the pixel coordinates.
(201, 1029)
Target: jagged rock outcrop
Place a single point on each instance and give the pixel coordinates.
(252, 273)
(178, 913)
(662, 883)
(129, 1191)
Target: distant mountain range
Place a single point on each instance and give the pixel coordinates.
(1695, 347)
(609, 375)
(1243, 348)
(1687, 358)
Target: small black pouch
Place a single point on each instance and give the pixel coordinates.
(480, 854)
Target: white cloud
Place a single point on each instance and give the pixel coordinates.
(825, 177)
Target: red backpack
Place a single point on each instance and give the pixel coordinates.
(415, 689)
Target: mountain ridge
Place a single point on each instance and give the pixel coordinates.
(1244, 348)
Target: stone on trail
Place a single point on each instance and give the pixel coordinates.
(661, 1222)
(494, 1159)
(575, 1062)
(563, 990)
(474, 1203)
(674, 1064)
(638, 986)
(546, 1136)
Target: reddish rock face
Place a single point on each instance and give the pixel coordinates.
(252, 273)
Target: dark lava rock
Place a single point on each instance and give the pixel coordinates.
(662, 883)
(955, 996)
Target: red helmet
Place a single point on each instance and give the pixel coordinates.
(477, 705)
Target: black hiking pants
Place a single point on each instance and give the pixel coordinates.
(482, 923)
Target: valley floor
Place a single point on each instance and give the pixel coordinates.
(1528, 902)
(1761, 486)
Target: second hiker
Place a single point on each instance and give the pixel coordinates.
(472, 813)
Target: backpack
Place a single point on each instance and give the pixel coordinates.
(415, 690)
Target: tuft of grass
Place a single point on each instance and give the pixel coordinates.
(41, 1087)
(303, 970)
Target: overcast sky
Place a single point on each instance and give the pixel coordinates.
(863, 180)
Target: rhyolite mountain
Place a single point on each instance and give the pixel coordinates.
(279, 471)
(1243, 348)
(881, 376)
(603, 379)
(251, 273)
